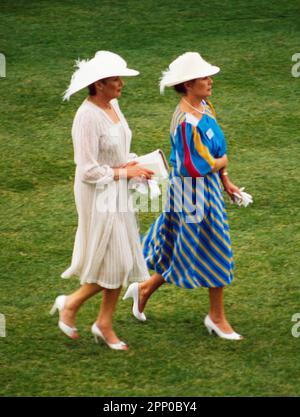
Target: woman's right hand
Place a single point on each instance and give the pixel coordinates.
(132, 170)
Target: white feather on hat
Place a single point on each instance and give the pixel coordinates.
(79, 64)
(104, 64)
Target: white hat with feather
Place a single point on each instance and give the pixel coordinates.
(104, 64)
(187, 66)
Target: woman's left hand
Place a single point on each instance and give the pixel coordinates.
(230, 189)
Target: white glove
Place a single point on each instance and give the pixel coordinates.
(143, 185)
(242, 200)
(154, 189)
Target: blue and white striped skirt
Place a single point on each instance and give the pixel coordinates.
(189, 243)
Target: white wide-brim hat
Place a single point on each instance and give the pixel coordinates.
(104, 64)
(188, 66)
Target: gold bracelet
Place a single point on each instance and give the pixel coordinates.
(116, 176)
(121, 174)
(224, 173)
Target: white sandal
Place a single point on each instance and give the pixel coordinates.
(99, 335)
(212, 327)
(133, 292)
(59, 304)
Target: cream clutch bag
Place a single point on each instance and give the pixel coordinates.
(156, 162)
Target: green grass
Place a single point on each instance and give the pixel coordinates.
(257, 101)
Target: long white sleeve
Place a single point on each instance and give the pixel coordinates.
(86, 133)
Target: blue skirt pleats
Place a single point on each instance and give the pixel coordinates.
(189, 243)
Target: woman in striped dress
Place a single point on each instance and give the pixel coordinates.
(189, 244)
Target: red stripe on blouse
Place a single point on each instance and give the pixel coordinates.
(187, 155)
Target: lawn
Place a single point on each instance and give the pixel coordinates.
(257, 102)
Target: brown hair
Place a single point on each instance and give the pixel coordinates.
(181, 88)
(92, 87)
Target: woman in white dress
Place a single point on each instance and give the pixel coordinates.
(107, 252)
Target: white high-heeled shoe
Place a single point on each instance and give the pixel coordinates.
(59, 304)
(133, 292)
(212, 327)
(99, 335)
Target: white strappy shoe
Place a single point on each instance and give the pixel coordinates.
(98, 335)
(133, 292)
(212, 327)
(59, 304)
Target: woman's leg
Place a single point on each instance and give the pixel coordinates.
(147, 288)
(105, 317)
(75, 300)
(216, 311)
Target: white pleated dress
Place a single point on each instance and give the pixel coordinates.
(107, 249)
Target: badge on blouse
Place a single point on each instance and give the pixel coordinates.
(210, 133)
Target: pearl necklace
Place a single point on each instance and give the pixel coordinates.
(199, 111)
